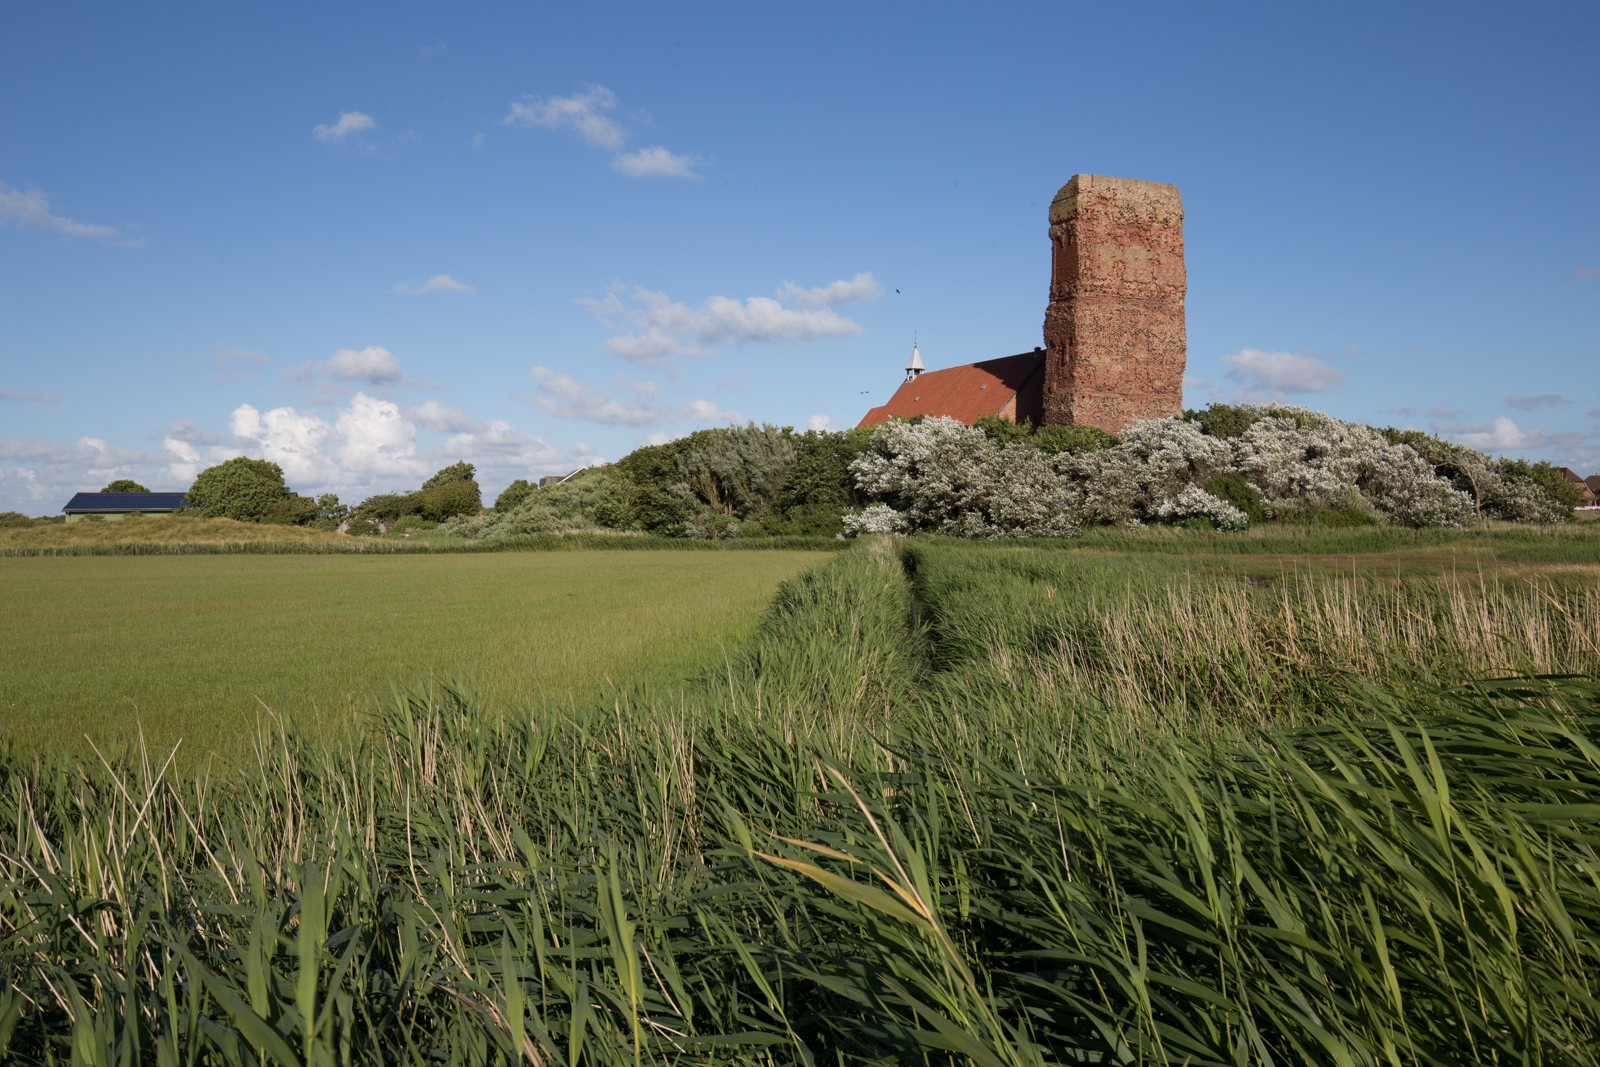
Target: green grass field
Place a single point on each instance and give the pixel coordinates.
(186, 646)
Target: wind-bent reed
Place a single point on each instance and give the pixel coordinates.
(852, 843)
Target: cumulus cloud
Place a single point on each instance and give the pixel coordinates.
(29, 397)
(587, 114)
(371, 444)
(582, 113)
(627, 403)
(435, 415)
(32, 209)
(1529, 403)
(566, 398)
(863, 288)
(662, 329)
(707, 413)
(1445, 411)
(657, 162)
(817, 422)
(439, 283)
(1502, 434)
(47, 473)
(1585, 272)
(1274, 375)
(1353, 350)
(373, 365)
(1193, 383)
(370, 364)
(350, 122)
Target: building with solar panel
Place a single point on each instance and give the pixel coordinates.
(116, 505)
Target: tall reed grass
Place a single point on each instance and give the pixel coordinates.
(827, 851)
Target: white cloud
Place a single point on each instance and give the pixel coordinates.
(350, 122)
(1445, 411)
(863, 288)
(706, 412)
(1529, 403)
(371, 444)
(657, 162)
(435, 415)
(439, 283)
(662, 329)
(51, 471)
(1503, 434)
(582, 113)
(566, 398)
(1273, 375)
(375, 439)
(817, 422)
(371, 364)
(29, 397)
(32, 209)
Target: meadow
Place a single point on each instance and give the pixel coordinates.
(198, 647)
(1003, 805)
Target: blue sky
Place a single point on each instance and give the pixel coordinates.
(366, 241)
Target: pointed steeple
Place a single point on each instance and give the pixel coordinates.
(914, 366)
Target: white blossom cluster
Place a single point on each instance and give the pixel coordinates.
(1195, 503)
(952, 478)
(943, 476)
(1296, 454)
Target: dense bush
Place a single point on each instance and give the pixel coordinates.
(1049, 439)
(124, 485)
(513, 494)
(250, 490)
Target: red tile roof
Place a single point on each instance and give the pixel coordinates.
(966, 393)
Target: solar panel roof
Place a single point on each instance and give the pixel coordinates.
(93, 502)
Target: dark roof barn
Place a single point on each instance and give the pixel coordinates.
(121, 503)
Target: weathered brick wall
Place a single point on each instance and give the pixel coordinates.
(1114, 331)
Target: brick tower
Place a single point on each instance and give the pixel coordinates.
(1114, 334)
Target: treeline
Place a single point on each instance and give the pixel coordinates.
(1223, 467)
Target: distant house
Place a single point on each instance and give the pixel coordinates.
(1011, 387)
(116, 505)
(1593, 482)
(557, 479)
(1583, 484)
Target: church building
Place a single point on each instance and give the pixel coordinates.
(1114, 336)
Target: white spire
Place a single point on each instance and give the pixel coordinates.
(914, 366)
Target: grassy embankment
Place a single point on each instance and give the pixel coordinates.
(184, 535)
(193, 647)
(892, 828)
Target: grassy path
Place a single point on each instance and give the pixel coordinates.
(186, 645)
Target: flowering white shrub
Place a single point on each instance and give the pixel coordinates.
(954, 479)
(1301, 454)
(944, 476)
(1194, 503)
(1156, 460)
(1516, 500)
(876, 519)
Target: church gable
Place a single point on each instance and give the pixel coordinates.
(1011, 387)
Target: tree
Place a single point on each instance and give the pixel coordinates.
(513, 494)
(330, 513)
(250, 490)
(444, 500)
(456, 472)
(124, 485)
